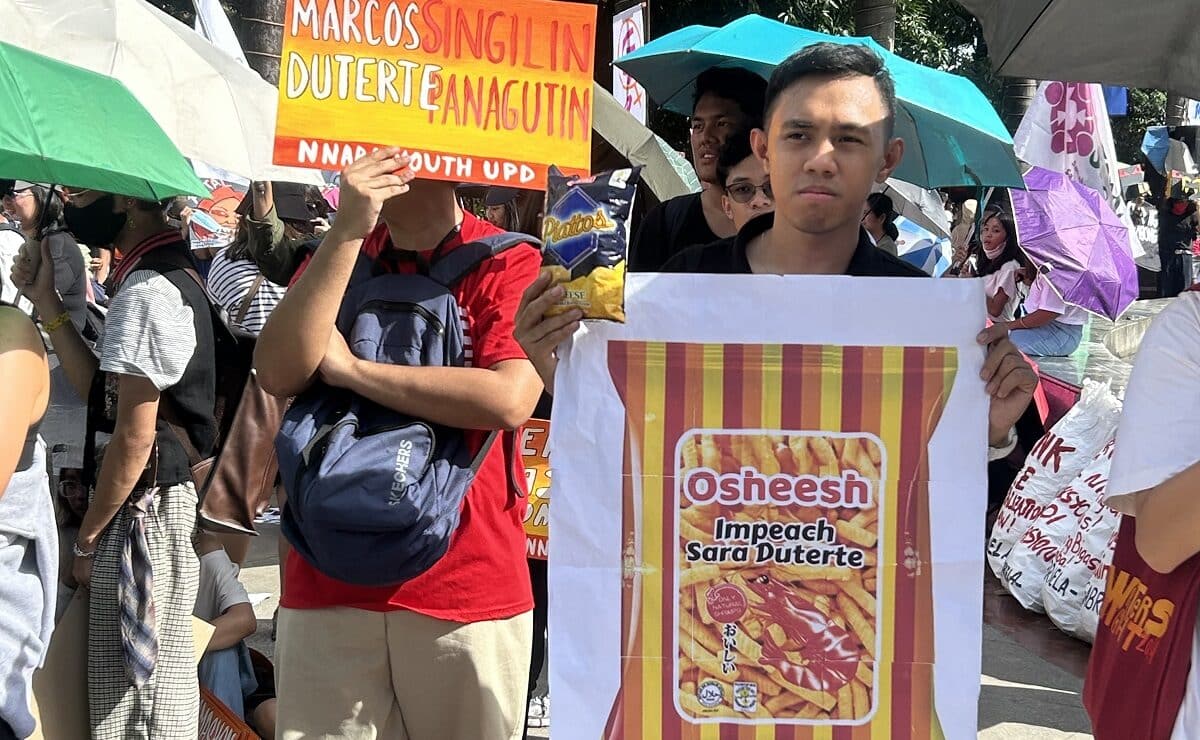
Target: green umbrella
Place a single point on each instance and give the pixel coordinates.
(68, 126)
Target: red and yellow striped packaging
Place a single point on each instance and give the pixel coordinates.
(777, 580)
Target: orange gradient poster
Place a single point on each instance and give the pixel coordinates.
(534, 437)
(476, 91)
(774, 527)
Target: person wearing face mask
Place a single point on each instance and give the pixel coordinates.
(133, 551)
(879, 219)
(727, 99)
(1001, 263)
(1176, 231)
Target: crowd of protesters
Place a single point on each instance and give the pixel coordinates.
(788, 168)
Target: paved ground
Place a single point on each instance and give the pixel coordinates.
(1031, 674)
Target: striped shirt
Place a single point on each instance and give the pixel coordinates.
(228, 283)
(149, 331)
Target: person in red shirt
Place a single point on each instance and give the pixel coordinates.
(444, 656)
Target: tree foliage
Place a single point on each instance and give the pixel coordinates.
(1146, 108)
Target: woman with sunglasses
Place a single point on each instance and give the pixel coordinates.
(40, 213)
(745, 182)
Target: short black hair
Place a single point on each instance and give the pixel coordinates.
(736, 149)
(828, 59)
(740, 85)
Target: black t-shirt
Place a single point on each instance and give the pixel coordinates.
(1176, 232)
(671, 227)
(728, 256)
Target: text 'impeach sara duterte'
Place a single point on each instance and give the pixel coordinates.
(424, 54)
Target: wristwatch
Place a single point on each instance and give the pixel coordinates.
(79, 552)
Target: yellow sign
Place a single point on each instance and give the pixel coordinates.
(537, 476)
(476, 91)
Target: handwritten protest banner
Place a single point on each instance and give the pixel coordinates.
(776, 538)
(537, 476)
(478, 91)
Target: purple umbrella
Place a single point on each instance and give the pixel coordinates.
(1075, 239)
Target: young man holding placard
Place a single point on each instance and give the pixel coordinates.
(828, 138)
(443, 656)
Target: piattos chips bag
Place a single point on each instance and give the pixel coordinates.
(778, 579)
(586, 235)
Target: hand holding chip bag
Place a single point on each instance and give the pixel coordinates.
(586, 236)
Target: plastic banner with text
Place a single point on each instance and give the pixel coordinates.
(778, 531)
(476, 91)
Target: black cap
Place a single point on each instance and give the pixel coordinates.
(290, 203)
(498, 196)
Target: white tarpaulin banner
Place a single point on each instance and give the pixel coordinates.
(629, 35)
(769, 511)
(1067, 129)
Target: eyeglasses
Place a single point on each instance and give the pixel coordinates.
(743, 192)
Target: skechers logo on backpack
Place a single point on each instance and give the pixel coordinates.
(400, 478)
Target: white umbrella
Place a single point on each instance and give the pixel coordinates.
(664, 172)
(213, 108)
(917, 204)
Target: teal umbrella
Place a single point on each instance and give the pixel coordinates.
(68, 126)
(952, 134)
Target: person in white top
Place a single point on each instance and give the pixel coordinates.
(1155, 472)
(1001, 261)
(1050, 327)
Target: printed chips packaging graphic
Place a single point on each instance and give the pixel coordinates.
(586, 236)
(777, 541)
(768, 524)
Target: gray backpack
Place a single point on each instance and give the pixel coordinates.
(374, 495)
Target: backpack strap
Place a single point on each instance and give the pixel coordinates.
(245, 307)
(458, 263)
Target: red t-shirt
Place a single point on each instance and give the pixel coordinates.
(483, 575)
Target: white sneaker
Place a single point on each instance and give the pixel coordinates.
(539, 711)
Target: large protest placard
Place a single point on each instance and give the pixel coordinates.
(477, 91)
(776, 520)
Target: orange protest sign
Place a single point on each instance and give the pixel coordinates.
(476, 91)
(537, 476)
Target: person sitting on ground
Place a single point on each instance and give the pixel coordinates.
(1049, 327)
(28, 533)
(747, 189)
(727, 99)
(879, 219)
(828, 139)
(39, 209)
(226, 670)
(1002, 260)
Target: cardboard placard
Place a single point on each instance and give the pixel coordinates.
(477, 91)
(537, 477)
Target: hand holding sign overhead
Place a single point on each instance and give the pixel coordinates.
(480, 92)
